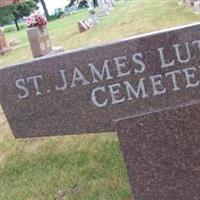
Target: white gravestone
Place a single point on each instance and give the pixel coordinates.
(103, 8)
(109, 4)
(197, 7)
(92, 16)
(113, 2)
(92, 13)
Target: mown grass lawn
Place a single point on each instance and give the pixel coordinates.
(84, 167)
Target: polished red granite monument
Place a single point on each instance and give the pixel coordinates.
(83, 91)
(162, 153)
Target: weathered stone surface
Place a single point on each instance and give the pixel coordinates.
(3, 42)
(39, 41)
(84, 90)
(83, 26)
(4, 46)
(103, 7)
(162, 153)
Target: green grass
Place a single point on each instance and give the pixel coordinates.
(86, 167)
(40, 168)
(128, 19)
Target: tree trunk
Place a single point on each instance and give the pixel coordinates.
(45, 8)
(16, 24)
(16, 21)
(95, 3)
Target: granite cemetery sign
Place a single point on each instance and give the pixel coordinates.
(83, 91)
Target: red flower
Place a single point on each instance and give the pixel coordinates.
(36, 20)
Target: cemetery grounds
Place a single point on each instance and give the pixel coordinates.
(86, 167)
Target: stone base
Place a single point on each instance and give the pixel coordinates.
(55, 50)
(5, 50)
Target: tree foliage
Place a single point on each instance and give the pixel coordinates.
(15, 12)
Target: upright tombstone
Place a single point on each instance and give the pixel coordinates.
(3, 42)
(197, 7)
(93, 17)
(109, 4)
(103, 8)
(39, 41)
(4, 46)
(162, 153)
(113, 2)
(92, 13)
(190, 2)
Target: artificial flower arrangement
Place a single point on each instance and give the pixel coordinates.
(36, 19)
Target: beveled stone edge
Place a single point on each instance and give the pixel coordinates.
(181, 105)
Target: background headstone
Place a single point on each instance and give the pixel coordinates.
(92, 13)
(3, 42)
(39, 41)
(113, 3)
(190, 2)
(92, 16)
(197, 7)
(4, 46)
(161, 152)
(103, 8)
(109, 4)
